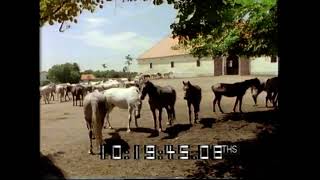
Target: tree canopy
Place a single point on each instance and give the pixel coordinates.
(206, 27)
(217, 27)
(64, 73)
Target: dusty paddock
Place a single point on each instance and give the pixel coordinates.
(64, 138)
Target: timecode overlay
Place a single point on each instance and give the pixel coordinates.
(169, 152)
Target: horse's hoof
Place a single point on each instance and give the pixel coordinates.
(90, 152)
(128, 130)
(104, 127)
(160, 130)
(110, 127)
(168, 123)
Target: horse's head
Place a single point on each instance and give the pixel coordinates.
(186, 89)
(146, 87)
(256, 88)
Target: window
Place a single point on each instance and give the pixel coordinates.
(150, 65)
(198, 63)
(273, 59)
(172, 64)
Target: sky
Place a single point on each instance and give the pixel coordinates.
(106, 36)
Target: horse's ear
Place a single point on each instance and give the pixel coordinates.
(189, 83)
(183, 82)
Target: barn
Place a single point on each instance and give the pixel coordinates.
(165, 57)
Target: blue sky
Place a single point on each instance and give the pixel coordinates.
(106, 36)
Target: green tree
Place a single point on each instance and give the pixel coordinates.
(64, 73)
(61, 11)
(206, 27)
(89, 71)
(217, 27)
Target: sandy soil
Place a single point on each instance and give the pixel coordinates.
(64, 137)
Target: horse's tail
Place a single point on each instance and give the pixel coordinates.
(97, 122)
(174, 102)
(212, 88)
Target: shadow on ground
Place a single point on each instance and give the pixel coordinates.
(48, 170)
(207, 122)
(115, 139)
(256, 159)
(152, 132)
(174, 130)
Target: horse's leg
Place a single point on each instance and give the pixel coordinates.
(136, 112)
(160, 118)
(154, 118)
(219, 101)
(173, 113)
(169, 114)
(268, 97)
(90, 138)
(189, 111)
(240, 104)
(214, 104)
(108, 118)
(196, 108)
(274, 98)
(235, 104)
(129, 118)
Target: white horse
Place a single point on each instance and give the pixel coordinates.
(95, 109)
(60, 91)
(45, 92)
(124, 98)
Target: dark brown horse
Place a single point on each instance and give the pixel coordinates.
(68, 89)
(232, 90)
(159, 98)
(77, 94)
(193, 97)
(271, 87)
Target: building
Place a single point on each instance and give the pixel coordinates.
(43, 76)
(165, 57)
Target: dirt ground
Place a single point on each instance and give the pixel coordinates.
(64, 137)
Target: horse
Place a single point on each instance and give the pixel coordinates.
(68, 89)
(52, 87)
(232, 90)
(95, 109)
(77, 94)
(160, 97)
(45, 93)
(193, 97)
(60, 90)
(124, 98)
(271, 87)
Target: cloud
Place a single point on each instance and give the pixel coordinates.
(92, 23)
(120, 41)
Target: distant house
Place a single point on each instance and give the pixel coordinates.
(87, 77)
(165, 57)
(43, 76)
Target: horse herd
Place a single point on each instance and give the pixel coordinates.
(78, 91)
(99, 104)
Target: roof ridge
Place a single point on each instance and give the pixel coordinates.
(148, 50)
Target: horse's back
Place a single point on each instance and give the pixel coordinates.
(272, 84)
(94, 99)
(122, 97)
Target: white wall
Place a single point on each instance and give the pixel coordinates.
(184, 66)
(263, 66)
